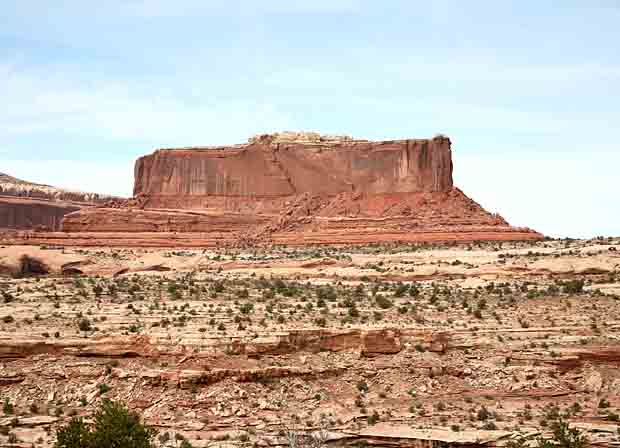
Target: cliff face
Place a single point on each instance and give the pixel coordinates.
(21, 214)
(26, 205)
(297, 189)
(267, 168)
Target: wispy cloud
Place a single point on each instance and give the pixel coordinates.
(67, 103)
(528, 87)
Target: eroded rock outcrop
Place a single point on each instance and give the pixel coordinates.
(27, 205)
(26, 213)
(300, 188)
(269, 168)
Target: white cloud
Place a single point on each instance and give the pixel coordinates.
(573, 194)
(65, 102)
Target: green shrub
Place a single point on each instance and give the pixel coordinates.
(113, 426)
(7, 407)
(84, 325)
(563, 437)
(383, 302)
(573, 287)
(400, 290)
(373, 418)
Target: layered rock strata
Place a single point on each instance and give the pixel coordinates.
(300, 188)
(26, 205)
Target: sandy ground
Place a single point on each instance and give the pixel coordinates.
(380, 344)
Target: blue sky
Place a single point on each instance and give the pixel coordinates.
(528, 91)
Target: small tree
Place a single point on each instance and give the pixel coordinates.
(75, 435)
(114, 426)
(563, 437)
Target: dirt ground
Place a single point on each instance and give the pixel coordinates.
(381, 344)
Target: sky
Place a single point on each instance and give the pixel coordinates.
(528, 91)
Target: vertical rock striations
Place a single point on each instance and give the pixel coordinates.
(268, 168)
(298, 188)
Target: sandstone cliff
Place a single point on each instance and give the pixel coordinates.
(27, 205)
(269, 168)
(296, 189)
(20, 213)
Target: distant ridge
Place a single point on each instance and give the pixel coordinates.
(12, 186)
(27, 205)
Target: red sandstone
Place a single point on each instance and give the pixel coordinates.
(290, 189)
(26, 205)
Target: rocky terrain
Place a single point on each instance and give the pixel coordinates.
(288, 188)
(383, 344)
(26, 205)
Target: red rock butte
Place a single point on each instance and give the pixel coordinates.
(27, 205)
(293, 188)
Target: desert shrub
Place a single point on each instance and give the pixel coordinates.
(31, 266)
(563, 437)
(246, 308)
(326, 292)
(603, 403)
(243, 294)
(373, 418)
(75, 434)
(217, 287)
(7, 407)
(383, 302)
(113, 426)
(84, 325)
(519, 442)
(483, 414)
(400, 290)
(573, 286)
(7, 297)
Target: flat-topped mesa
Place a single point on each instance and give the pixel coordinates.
(294, 188)
(287, 164)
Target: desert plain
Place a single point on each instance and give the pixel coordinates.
(466, 344)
